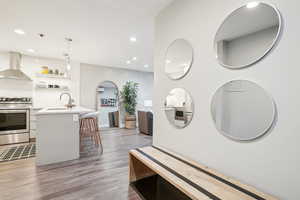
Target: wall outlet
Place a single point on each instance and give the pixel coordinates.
(75, 118)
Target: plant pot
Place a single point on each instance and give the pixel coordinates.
(130, 121)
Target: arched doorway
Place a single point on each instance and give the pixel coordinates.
(107, 104)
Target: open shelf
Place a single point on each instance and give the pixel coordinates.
(62, 89)
(51, 76)
(46, 86)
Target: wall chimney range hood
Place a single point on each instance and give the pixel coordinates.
(14, 71)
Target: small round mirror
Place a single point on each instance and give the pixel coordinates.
(242, 110)
(247, 35)
(179, 107)
(179, 59)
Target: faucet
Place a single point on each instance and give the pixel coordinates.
(70, 102)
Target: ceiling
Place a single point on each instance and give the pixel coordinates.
(100, 29)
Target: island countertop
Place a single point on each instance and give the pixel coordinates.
(64, 110)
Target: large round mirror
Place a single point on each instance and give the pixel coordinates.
(179, 107)
(247, 35)
(179, 59)
(242, 110)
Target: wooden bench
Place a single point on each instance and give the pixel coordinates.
(194, 180)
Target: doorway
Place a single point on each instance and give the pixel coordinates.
(107, 104)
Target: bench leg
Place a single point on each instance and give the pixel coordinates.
(137, 170)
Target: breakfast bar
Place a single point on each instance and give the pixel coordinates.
(58, 134)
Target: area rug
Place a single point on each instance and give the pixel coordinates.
(18, 152)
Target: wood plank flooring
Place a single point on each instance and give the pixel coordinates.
(101, 177)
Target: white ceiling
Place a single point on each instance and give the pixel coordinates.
(100, 29)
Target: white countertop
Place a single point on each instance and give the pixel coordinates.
(63, 110)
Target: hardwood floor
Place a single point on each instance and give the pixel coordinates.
(101, 177)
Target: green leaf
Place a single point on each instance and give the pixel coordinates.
(129, 95)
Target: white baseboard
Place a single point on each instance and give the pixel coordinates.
(104, 125)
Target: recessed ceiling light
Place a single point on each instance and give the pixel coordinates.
(252, 4)
(168, 61)
(128, 62)
(134, 58)
(31, 50)
(19, 31)
(132, 39)
(146, 66)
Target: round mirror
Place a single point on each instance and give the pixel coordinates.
(179, 59)
(247, 35)
(179, 107)
(242, 110)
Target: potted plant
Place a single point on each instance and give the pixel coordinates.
(129, 100)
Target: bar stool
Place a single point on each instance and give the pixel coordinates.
(89, 128)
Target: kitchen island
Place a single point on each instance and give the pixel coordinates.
(58, 137)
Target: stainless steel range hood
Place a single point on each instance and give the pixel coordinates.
(14, 71)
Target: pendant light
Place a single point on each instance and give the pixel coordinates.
(67, 55)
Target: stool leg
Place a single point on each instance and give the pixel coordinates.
(99, 139)
(96, 140)
(93, 140)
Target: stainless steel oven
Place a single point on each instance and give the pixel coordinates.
(14, 120)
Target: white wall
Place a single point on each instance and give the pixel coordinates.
(271, 163)
(41, 97)
(92, 76)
